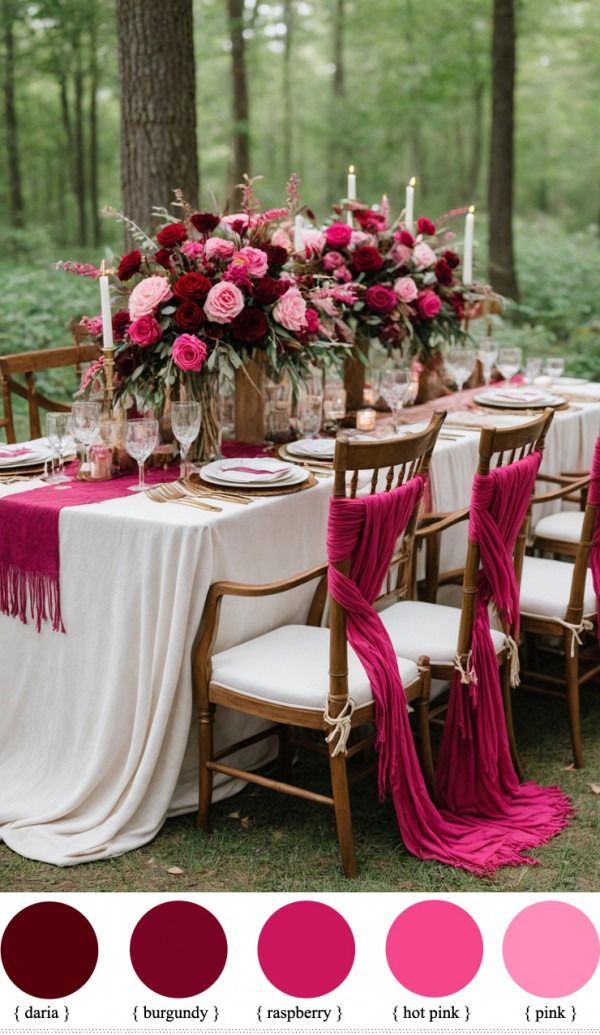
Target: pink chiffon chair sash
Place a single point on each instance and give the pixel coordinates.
(594, 501)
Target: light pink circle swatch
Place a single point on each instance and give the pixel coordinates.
(434, 948)
(306, 949)
(551, 949)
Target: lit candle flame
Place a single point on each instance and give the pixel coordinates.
(350, 169)
(471, 209)
(412, 181)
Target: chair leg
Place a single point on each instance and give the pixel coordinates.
(284, 767)
(572, 682)
(421, 709)
(343, 816)
(507, 700)
(205, 751)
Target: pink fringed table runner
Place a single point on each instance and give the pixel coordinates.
(29, 536)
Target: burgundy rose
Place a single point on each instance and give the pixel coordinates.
(268, 290)
(190, 286)
(120, 324)
(312, 320)
(126, 361)
(129, 264)
(366, 258)
(338, 235)
(458, 304)
(145, 331)
(390, 332)
(380, 299)
(443, 272)
(369, 220)
(189, 316)
(404, 237)
(429, 304)
(237, 226)
(451, 258)
(171, 234)
(425, 227)
(251, 325)
(204, 222)
(213, 330)
(276, 255)
(164, 258)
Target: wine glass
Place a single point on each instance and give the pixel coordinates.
(140, 442)
(334, 402)
(57, 429)
(533, 369)
(185, 421)
(393, 387)
(459, 363)
(487, 354)
(555, 367)
(509, 361)
(85, 422)
(310, 412)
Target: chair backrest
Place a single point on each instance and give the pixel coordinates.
(391, 463)
(575, 608)
(17, 377)
(499, 447)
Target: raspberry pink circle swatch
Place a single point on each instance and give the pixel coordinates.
(306, 949)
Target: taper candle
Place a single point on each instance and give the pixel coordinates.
(351, 192)
(468, 252)
(298, 235)
(409, 205)
(107, 335)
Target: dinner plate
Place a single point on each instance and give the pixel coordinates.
(314, 448)
(566, 382)
(15, 458)
(518, 398)
(217, 473)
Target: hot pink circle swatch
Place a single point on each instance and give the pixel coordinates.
(551, 949)
(306, 949)
(434, 948)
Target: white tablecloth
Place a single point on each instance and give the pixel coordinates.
(96, 737)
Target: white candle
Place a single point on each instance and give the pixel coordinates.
(365, 420)
(107, 335)
(468, 252)
(298, 235)
(351, 192)
(409, 206)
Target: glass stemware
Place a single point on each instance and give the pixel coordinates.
(394, 386)
(555, 367)
(310, 412)
(487, 354)
(533, 369)
(334, 402)
(459, 363)
(57, 429)
(509, 361)
(185, 421)
(85, 423)
(140, 442)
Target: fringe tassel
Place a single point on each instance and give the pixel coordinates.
(24, 593)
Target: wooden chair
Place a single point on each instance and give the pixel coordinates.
(444, 634)
(560, 533)
(282, 677)
(558, 600)
(18, 377)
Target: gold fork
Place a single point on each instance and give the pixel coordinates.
(193, 501)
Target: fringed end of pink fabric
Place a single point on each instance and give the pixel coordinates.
(28, 594)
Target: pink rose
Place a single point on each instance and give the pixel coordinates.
(255, 260)
(429, 304)
(193, 249)
(145, 331)
(343, 273)
(406, 289)
(189, 353)
(402, 254)
(314, 241)
(424, 256)
(217, 248)
(290, 310)
(282, 240)
(338, 235)
(236, 221)
(359, 237)
(148, 295)
(92, 325)
(223, 302)
(333, 260)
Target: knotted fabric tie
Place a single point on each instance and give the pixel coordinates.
(342, 726)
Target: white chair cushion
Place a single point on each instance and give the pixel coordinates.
(546, 587)
(418, 628)
(290, 666)
(565, 525)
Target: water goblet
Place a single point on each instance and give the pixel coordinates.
(533, 369)
(487, 354)
(310, 412)
(185, 421)
(555, 367)
(57, 429)
(85, 423)
(140, 442)
(459, 363)
(509, 361)
(334, 402)
(394, 386)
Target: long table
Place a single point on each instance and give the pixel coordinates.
(97, 742)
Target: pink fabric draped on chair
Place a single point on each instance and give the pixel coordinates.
(481, 827)
(594, 500)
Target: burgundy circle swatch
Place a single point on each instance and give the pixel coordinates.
(49, 950)
(551, 949)
(434, 948)
(178, 949)
(306, 949)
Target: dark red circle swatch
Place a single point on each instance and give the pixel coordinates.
(49, 950)
(178, 949)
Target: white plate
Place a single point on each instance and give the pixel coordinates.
(317, 448)
(28, 459)
(565, 382)
(216, 473)
(517, 398)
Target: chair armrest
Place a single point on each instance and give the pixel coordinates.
(563, 493)
(441, 523)
(242, 589)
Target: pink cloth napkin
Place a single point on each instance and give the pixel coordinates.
(6, 454)
(256, 470)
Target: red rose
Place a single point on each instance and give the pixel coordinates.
(338, 235)
(369, 220)
(190, 286)
(457, 303)
(171, 234)
(213, 330)
(120, 324)
(268, 289)
(250, 325)
(451, 258)
(425, 227)
(204, 222)
(312, 320)
(443, 272)
(367, 258)
(404, 237)
(145, 331)
(164, 258)
(126, 361)
(429, 304)
(276, 255)
(189, 316)
(129, 264)
(380, 299)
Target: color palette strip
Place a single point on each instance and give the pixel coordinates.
(306, 949)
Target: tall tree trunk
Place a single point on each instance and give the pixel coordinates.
(501, 177)
(80, 191)
(240, 159)
(288, 114)
(416, 147)
(16, 212)
(337, 143)
(158, 105)
(93, 137)
(476, 138)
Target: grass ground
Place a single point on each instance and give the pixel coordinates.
(265, 842)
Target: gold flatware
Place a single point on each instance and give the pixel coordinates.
(193, 501)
